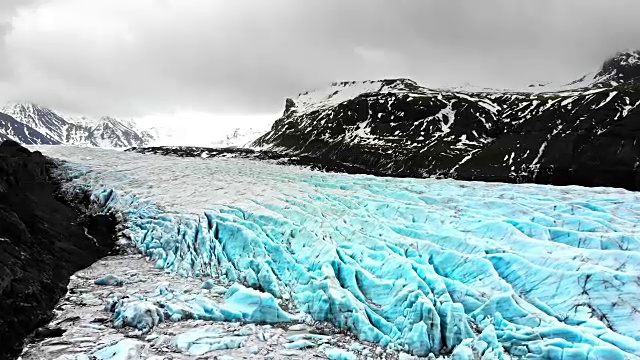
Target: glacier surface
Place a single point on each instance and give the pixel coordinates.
(418, 265)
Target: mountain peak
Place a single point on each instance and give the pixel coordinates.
(24, 107)
(624, 66)
(626, 58)
(37, 117)
(342, 91)
(104, 120)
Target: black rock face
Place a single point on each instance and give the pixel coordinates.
(42, 242)
(588, 136)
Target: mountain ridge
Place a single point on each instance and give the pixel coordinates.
(50, 127)
(586, 135)
(41, 125)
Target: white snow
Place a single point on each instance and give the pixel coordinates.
(340, 92)
(611, 95)
(204, 129)
(540, 152)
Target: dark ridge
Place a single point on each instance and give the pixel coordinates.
(586, 137)
(42, 243)
(592, 174)
(322, 164)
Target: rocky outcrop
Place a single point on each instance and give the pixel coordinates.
(587, 135)
(43, 241)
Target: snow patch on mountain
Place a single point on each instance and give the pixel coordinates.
(340, 92)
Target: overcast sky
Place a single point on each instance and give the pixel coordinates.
(139, 57)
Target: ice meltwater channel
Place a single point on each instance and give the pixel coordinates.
(419, 265)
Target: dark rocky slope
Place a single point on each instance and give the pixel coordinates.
(323, 164)
(586, 133)
(42, 242)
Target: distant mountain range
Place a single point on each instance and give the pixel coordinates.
(586, 132)
(31, 124)
(216, 133)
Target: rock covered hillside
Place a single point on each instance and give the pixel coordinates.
(583, 133)
(42, 242)
(31, 124)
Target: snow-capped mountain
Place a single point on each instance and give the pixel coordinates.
(205, 130)
(12, 129)
(220, 137)
(41, 125)
(109, 132)
(33, 124)
(585, 135)
(241, 137)
(623, 67)
(43, 120)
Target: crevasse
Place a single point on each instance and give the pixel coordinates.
(424, 266)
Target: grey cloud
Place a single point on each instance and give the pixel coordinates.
(8, 9)
(246, 56)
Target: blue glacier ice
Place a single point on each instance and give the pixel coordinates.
(122, 350)
(209, 284)
(249, 305)
(201, 341)
(299, 344)
(318, 338)
(418, 265)
(339, 354)
(140, 314)
(109, 280)
(145, 311)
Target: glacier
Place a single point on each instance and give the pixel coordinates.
(422, 266)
